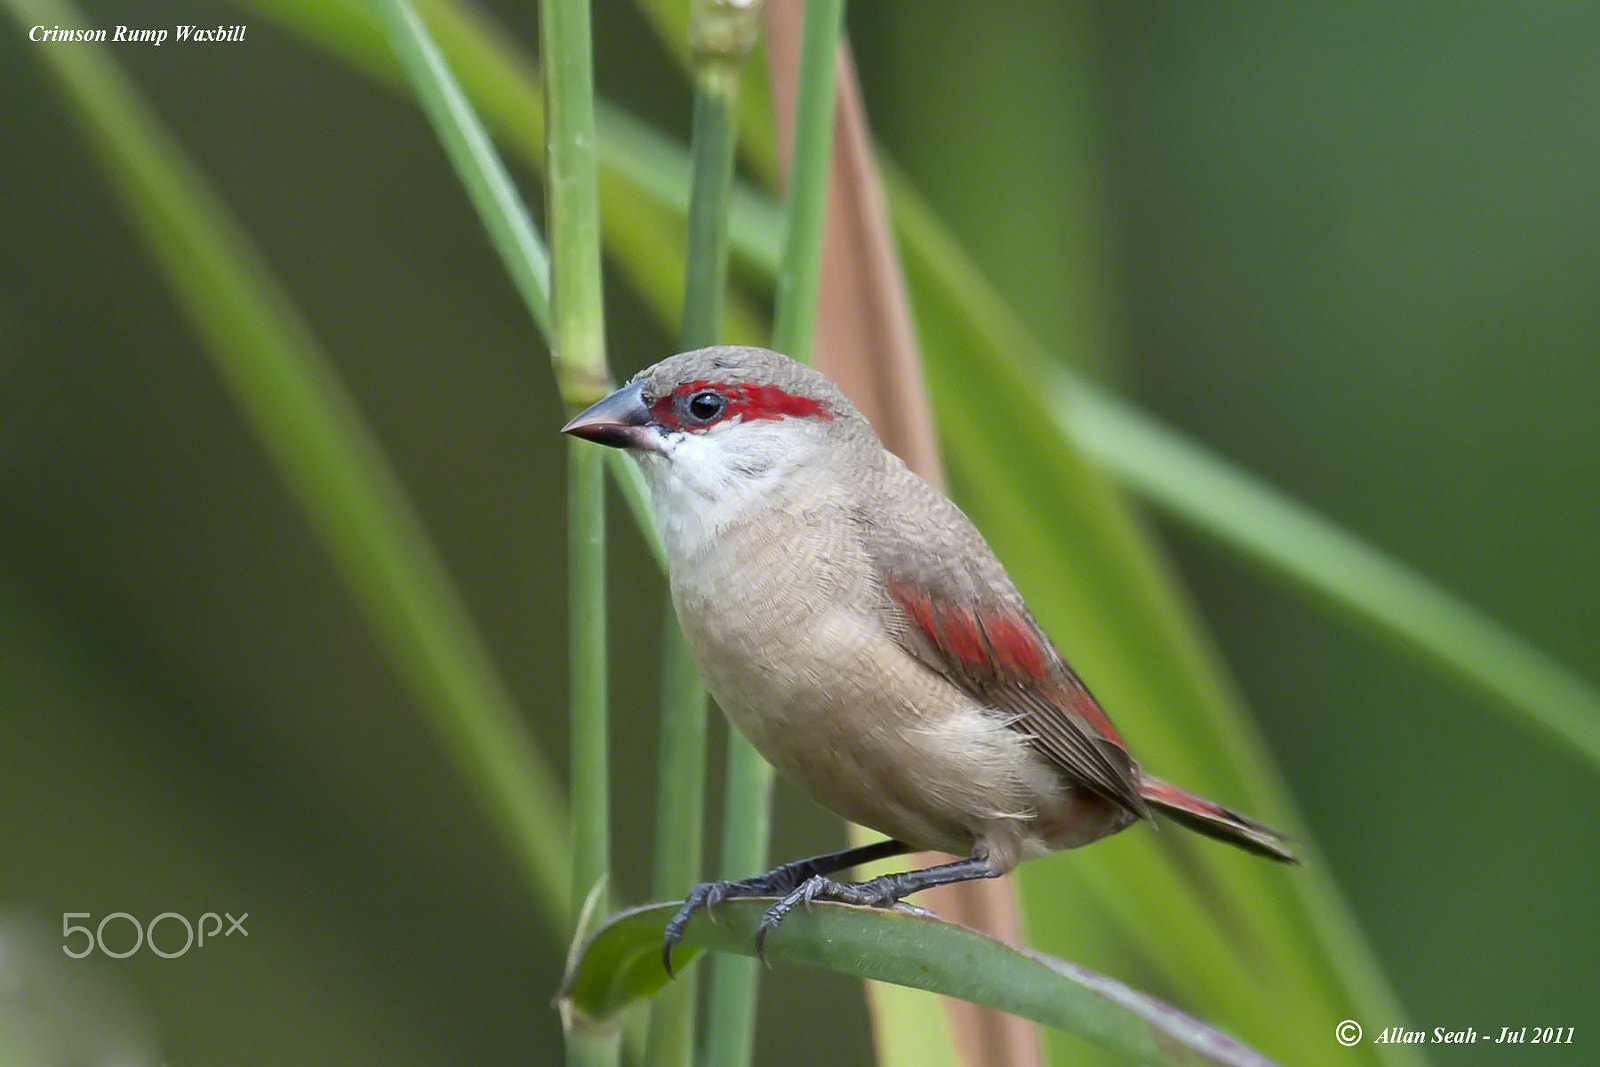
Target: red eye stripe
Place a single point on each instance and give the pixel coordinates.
(746, 400)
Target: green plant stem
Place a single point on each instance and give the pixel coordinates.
(679, 844)
(586, 634)
(329, 459)
(748, 796)
(746, 825)
(722, 32)
(795, 313)
(572, 196)
(706, 272)
(573, 225)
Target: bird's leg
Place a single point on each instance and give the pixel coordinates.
(884, 891)
(777, 882)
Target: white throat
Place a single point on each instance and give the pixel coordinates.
(702, 483)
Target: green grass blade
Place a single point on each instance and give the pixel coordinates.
(622, 964)
(328, 457)
(1348, 575)
(473, 156)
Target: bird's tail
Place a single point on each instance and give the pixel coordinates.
(1214, 820)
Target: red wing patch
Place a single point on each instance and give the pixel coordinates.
(1016, 649)
(989, 641)
(998, 644)
(1084, 704)
(997, 655)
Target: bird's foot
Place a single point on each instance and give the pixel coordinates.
(881, 892)
(778, 882)
(707, 895)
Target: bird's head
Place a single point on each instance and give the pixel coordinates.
(719, 429)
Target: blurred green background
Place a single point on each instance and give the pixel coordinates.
(1355, 251)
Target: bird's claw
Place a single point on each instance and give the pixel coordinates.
(793, 885)
(875, 893)
(705, 897)
(714, 892)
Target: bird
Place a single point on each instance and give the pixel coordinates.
(855, 626)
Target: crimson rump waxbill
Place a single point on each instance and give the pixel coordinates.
(855, 626)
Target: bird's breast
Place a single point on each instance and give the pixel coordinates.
(785, 624)
(761, 606)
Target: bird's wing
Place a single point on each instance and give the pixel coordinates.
(955, 609)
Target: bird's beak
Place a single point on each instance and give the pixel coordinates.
(621, 420)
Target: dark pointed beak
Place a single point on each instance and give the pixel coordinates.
(621, 420)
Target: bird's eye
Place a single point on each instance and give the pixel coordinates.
(706, 405)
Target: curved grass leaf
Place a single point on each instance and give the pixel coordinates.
(472, 155)
(312, 430)
(1204, 491)
(621, 965)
